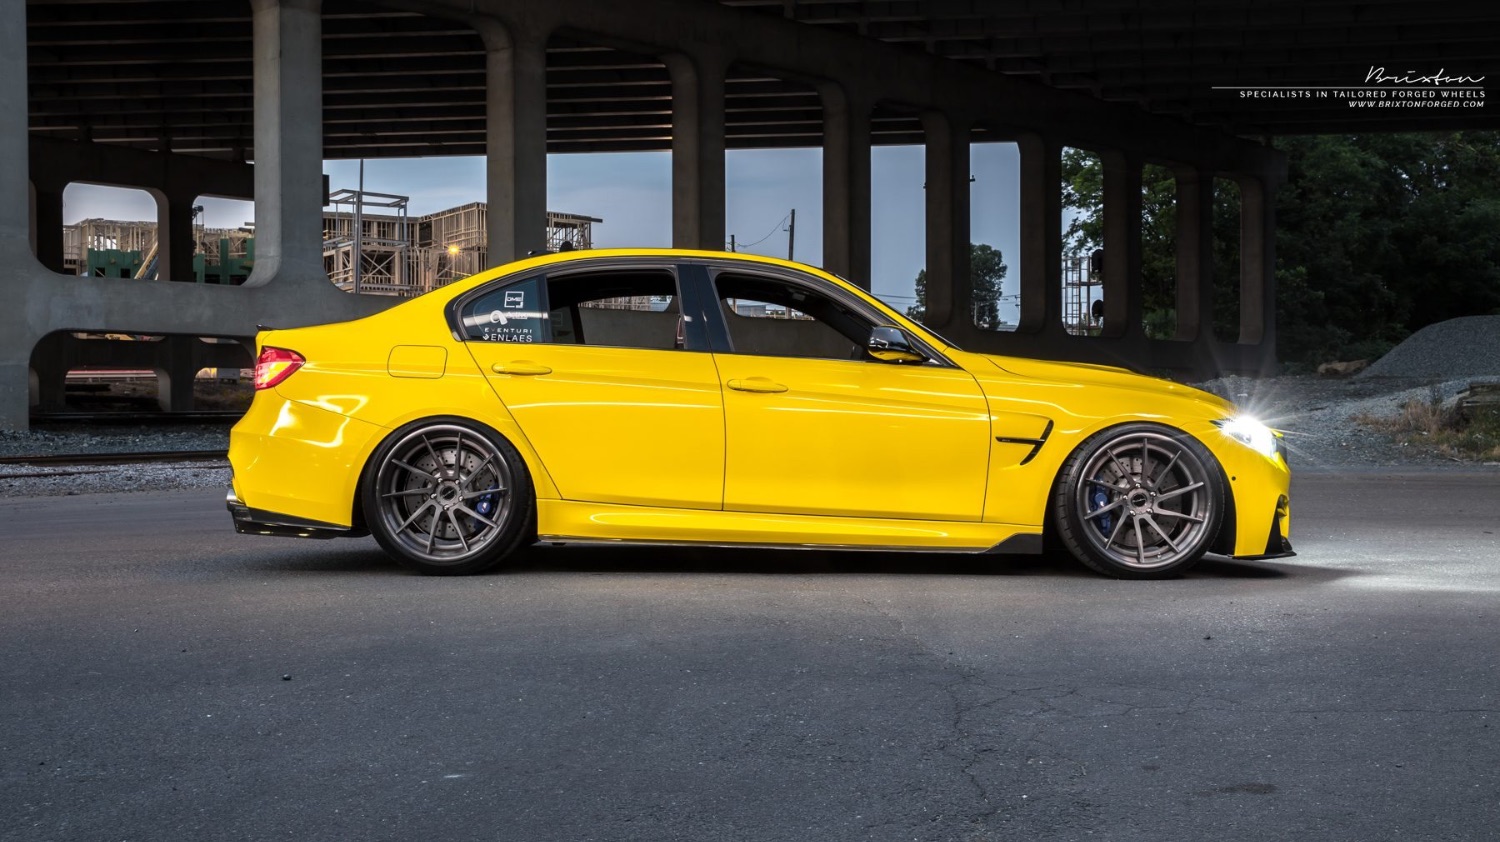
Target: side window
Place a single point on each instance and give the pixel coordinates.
(512, 313)
(776, 318)
(620, 309)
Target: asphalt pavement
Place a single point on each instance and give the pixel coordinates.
(162, 678)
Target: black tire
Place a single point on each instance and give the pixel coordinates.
(1139, 501)
(423, 502)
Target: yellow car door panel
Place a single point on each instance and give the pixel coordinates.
(850, 438)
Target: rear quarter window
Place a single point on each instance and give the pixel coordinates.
(512, 313)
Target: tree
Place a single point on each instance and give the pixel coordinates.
(986, 271)
(1377, 236)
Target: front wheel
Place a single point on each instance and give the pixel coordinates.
(1140, 501)
(447, 497)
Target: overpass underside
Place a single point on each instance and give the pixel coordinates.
(859, 91)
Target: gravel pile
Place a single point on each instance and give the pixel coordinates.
(1318, 417)
(1463, 347)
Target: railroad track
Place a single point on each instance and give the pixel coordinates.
(81, 460)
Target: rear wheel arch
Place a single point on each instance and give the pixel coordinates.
(419, 494)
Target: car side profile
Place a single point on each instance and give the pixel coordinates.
(687, 397)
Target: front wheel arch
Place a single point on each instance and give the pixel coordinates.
(1109, 487)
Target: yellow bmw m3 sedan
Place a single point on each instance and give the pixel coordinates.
(685, 397)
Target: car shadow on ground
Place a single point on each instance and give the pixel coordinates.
(366, 558)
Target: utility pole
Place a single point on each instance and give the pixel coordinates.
(359, 234)
(791, 235)
(731, 243)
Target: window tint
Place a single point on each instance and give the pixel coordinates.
(617, 309)
(623, 309)
(512, 313)
(776, 318)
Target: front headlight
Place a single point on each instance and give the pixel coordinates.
(1251, 433)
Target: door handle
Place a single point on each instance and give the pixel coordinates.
(520, 367)
(756, 384)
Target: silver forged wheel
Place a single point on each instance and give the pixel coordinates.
(1142, 502)
(445, 498)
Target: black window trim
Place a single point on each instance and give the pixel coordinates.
(695, 333)
(719, 331)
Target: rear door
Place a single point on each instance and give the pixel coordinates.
(614, 389)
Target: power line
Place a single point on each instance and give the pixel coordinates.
(774, 229)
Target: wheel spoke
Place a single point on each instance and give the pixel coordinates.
(1164, 536)
(418, 471)
(1111, 507)
(472, 494)
(1124, 471)
(1178, 492)
(1119, 524)
(1146, 460)
(1140, 543)
(412, 493)
(453, 518)
(1164, 471)
(1178, 515)
(437, 460)
(476, 515)
(464, 482)
(1104, 484)
(414, 515)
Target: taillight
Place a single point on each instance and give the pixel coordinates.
(275, 365)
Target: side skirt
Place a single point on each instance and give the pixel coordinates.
(568, 522)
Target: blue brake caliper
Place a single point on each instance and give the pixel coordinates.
(1098, 499)
(485, 505)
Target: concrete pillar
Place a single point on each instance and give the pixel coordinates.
(697, 150)
(176, 368)
(49, 225)
(950, 293)
(1123, 301)
(1041, 235)
(288, 56)
(174, 236)
(515, 141)
(1257, 218)
(50, 362)
(846, 184)
(16, 256)
(1195, 254)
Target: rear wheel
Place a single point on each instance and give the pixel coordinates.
(448, 497)
(1140, 501)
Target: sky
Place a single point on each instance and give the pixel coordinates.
(631, 192)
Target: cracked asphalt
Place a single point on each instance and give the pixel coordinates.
(162, 678)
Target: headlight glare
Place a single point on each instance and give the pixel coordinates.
(1251, 433)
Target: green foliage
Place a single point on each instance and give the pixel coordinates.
(986, 272)
(1377, 236)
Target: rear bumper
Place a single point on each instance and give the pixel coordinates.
(248, 521)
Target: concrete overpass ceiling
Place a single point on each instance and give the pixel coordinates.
(176, 74)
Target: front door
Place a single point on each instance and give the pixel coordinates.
(813, 425)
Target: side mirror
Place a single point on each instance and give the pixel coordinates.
(892, 345)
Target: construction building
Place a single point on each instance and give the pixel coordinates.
(394, 254)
